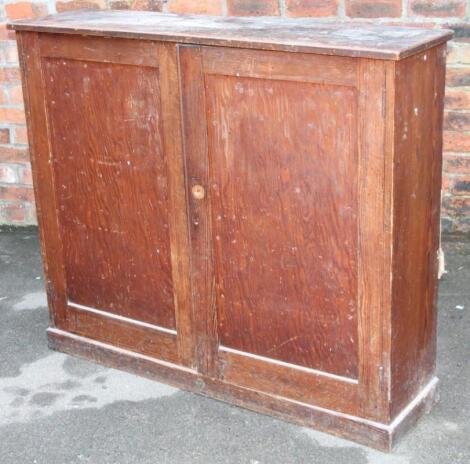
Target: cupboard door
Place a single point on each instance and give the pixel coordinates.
(273, 146)
(115, 165)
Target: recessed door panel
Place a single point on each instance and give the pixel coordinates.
(112, 187)
(283, 187)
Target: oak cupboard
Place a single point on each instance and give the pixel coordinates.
(244, 208)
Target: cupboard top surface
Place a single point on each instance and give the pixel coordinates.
(301, 35)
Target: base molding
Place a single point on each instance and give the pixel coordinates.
(370, 433)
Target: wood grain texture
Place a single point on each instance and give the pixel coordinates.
(297, 67)
(299, 35)
(253, 225)
(417, 177)
(178, 217)
(197, 174)
(112, 187)
(95, 49)
(285, 264)
(369, 433)
(139, 338)
(289, 381)
(43, 176)
(373, 246)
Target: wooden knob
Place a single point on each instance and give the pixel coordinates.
(198, 192)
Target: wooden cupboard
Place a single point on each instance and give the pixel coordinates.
(244, 208)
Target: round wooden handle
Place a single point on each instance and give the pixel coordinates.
(198, 192)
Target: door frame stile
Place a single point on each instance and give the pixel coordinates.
(29, 52)
(195, 147)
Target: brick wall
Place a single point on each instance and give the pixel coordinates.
(16, 196)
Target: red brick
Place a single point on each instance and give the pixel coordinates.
(374, 9)
(458, 53)
(210, 7)
(8, 174)
(456, 141)
(456, 205)
(23, 10)
(10, 52)
(3, 31)
(13, 154)
(119, 5)
(461, 185)
(4, 135)
(437, 8)
(457, 98)
(445, 186)
(311, 7)
(253, 7)
(6, 34)
(78, 5)
(13, 213)
(12, 115)
(16, 94)
(24, 174)
(14, 192)
(456, 185)
(21, 135)
(20, 10)
(456, 163)
(40, 9)
(10, 74)
(457, 121)
(147, 5)
(458, 77)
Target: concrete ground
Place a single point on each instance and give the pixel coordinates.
(55, 409)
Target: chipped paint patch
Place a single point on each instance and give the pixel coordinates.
(58, 382)
(31, 301)
(372, 456)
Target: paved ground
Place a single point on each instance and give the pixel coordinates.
(55, 409)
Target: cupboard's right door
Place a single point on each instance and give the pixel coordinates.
(286, 222)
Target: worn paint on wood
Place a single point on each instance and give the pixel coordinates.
(104, 169)
(258, 226)
(285, 264)
(418, 117)
(305, 35)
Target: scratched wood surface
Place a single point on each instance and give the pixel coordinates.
(417, 175)
(331, 38)
(43, 178)
(255, 225)
(111, 187)
(285, 264)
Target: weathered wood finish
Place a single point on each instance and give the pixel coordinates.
(418, 145)
(293, 35)
(101, 169)
(270, 252)
(257, 226)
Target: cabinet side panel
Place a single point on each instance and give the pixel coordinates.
(417, 181)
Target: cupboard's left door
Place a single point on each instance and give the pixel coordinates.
(103, 118)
